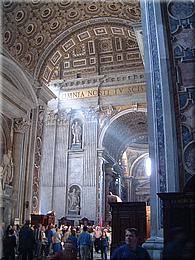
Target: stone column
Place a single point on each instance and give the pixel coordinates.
(161, 118)
(20, 141)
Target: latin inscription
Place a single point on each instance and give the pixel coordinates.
(87, 93)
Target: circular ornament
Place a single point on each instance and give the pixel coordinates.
(189, 158)
(46, 12)
(39, 40)
(72, 14)
(30, 28)
(181, 9)
(19, 16)
(54, 25)
(7, 36)
(7, 3)
(19, 48)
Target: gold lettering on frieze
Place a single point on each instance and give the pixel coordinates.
(94, 92)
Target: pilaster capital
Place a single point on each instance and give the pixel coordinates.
(21, 125)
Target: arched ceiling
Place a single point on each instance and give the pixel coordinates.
(125, 131)
(68, 39)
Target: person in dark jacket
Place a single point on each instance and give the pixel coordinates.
(9, 244)
(26, 242)
(131, 250)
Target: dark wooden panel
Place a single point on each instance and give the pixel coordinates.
(178, 211)
(126, 215)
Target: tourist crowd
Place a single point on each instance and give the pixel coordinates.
(38, 241)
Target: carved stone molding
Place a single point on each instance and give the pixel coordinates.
(63, 117)
(21, 125)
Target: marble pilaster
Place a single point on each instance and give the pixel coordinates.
(61, 164)
(161, 121)
(90, 166)
(20, 141)
(47, 162)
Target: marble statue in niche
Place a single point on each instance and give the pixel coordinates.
(74, 200)
(76, 131)
(6, 169)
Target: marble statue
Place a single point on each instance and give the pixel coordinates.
(76, 132)
(6, 168)
(73, 199)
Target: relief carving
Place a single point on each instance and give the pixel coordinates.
(21, 125)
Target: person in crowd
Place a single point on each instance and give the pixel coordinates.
(73, 239)
(97, 235)
(44, 242)
(104, 245)
(26, 241)
(56, 241)
(130, 250)
(49, 234)
(9, 245)
(17, 230)
(84, 243)
(91, 232)
(38, 239)
(67, 254)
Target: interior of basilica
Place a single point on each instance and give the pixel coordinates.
(96, 100)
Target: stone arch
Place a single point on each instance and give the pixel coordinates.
(73, 29)
(17, 78)
(105, 128)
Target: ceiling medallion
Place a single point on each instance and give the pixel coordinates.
(39, 40)
(92, 8)
(7, 36)
(7, 3)
(54, 25)
(19, 48)
(35, 1)
(28, 59)
(19, 16)
(30, 28)
(46, 12)
(72, 14)
(65, 2)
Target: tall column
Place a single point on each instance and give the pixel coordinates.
(161, 118)
(20, 141)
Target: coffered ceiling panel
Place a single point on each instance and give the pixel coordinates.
(53, 39)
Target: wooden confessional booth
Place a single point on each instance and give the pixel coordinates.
(179, 211)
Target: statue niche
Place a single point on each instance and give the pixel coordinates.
(76, 134)
(6, 169)
(74, 194)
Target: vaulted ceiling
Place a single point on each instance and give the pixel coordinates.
(55, 39)
(126, 131)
